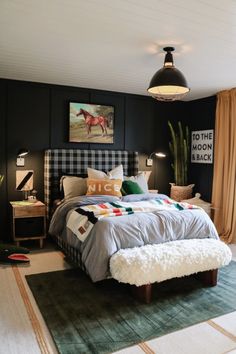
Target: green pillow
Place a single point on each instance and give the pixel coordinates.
(130, 187)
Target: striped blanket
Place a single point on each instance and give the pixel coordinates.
(81, 220)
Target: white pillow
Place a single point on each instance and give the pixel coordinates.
(140, 180)
(146, 174)
(115, 173)
(73, 186)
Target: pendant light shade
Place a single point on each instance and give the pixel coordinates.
(168, 83)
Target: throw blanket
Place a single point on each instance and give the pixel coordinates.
(82, 220)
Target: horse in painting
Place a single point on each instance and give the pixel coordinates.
(91, 121)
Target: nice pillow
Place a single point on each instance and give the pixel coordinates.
(73, 186)
(115, 173)
(104, 187)
(140, 180)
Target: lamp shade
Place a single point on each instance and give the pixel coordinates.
(157, 154)
(168, 83)
(160, 155)
(22, 152)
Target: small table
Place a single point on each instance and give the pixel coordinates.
(153, 191)
(28, 221)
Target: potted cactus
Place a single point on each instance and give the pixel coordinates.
(180, 148)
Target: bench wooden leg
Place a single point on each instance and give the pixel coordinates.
(143, 293)
(209, 277)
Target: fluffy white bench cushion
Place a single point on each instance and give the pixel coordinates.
(155, 263)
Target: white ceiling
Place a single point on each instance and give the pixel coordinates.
(117, 44)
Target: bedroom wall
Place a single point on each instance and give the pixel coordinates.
(198, 115)
(35, 116)
(202, 117)
(173, 112)
(3, 188)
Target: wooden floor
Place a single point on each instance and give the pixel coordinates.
(22, 328)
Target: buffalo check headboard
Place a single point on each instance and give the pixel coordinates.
(75, 162)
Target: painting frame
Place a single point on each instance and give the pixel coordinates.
(91, 123)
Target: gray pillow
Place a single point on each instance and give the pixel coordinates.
(73, 186)
(141, 180)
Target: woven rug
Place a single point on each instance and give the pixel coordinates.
(84, 317)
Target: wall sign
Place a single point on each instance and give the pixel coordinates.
(24, 180)
(202, 146)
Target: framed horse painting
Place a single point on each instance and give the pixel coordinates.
(91, 123)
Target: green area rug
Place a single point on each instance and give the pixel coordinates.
(84, 317)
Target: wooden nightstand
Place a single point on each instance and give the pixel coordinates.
(28, 221)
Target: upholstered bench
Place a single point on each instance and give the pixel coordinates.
(145, 265)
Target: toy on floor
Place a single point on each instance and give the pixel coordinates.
(13, 254)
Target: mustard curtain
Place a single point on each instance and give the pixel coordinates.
(224, 180)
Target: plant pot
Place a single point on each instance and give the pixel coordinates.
(179, 193)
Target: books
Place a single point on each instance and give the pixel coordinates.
(21, 202)
(26, 203)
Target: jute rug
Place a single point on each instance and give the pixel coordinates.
(101, 318)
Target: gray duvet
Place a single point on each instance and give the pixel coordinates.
(113, 233)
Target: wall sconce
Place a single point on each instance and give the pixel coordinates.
(20, 161)
(149, 161)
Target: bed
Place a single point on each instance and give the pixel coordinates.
(114, 233)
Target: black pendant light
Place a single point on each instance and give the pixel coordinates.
(168, 84)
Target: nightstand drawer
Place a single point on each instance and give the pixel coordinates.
(29, 211)
(28, 221)
(29, 227)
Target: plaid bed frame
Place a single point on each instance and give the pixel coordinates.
(73, 254)
(75, 162)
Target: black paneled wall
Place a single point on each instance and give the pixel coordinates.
(28, 112)
(36, 116)
(3, 188)
(202, 117)
(165, 112)
(198, 115)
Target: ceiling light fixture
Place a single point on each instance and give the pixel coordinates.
(168, 83)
